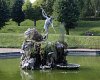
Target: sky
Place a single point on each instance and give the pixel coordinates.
(32, 1)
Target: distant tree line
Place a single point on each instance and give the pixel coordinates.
(89, 8)
(67, 12)
(4, 13)
(11, 9)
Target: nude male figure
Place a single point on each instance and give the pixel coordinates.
(48, 22)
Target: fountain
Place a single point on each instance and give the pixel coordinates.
(37, 53)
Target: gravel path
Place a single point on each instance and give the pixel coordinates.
(8, 50)
(14, 52)
(9, 53)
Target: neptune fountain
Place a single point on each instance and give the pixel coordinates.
(38, 53)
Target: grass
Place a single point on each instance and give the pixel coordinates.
(81, 29)
(79, 41)
(12, 35)
(84, 26)
(10, 40)
(11, 27)
(91, 42)
(89, 69)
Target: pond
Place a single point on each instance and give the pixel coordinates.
(89, 70)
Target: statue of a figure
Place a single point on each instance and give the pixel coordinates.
(48, 22)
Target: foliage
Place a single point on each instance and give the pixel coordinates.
(50, 47)
(46, 4)
(89, 8)
(80, 30)
(17, 13)
(67, 12)
(37, 14)
(32, 12)
(10, 5)
(38, 2)
(4, 13)
(28, 10)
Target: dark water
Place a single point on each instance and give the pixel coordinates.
(89, 70)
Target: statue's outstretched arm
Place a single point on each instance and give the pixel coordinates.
(44, 14)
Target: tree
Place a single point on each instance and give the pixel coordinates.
(17, 13)
(27, 9)
(4, 13)
(32, 12)
(81, 4)
(88, 9)
(37, 14)
(9, 5)
(67, 12)
(97, 8)
(46, 4)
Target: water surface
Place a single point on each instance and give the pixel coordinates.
(89, 70)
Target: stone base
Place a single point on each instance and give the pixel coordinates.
(68, 66)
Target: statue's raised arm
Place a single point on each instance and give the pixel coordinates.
(48, 22)
(44, 13)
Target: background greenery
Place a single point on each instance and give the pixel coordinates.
(13, 36)
(10, 9)
(83, 26)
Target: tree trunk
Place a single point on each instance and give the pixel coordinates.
(67, 29)
(18, 23)
(35, 23)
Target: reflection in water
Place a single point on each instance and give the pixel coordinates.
(26, 75)
(47, 74)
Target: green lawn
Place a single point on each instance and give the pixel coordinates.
(13, 40)
(11, 27)
(83, 26)
(89, 70)
(12, 35)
